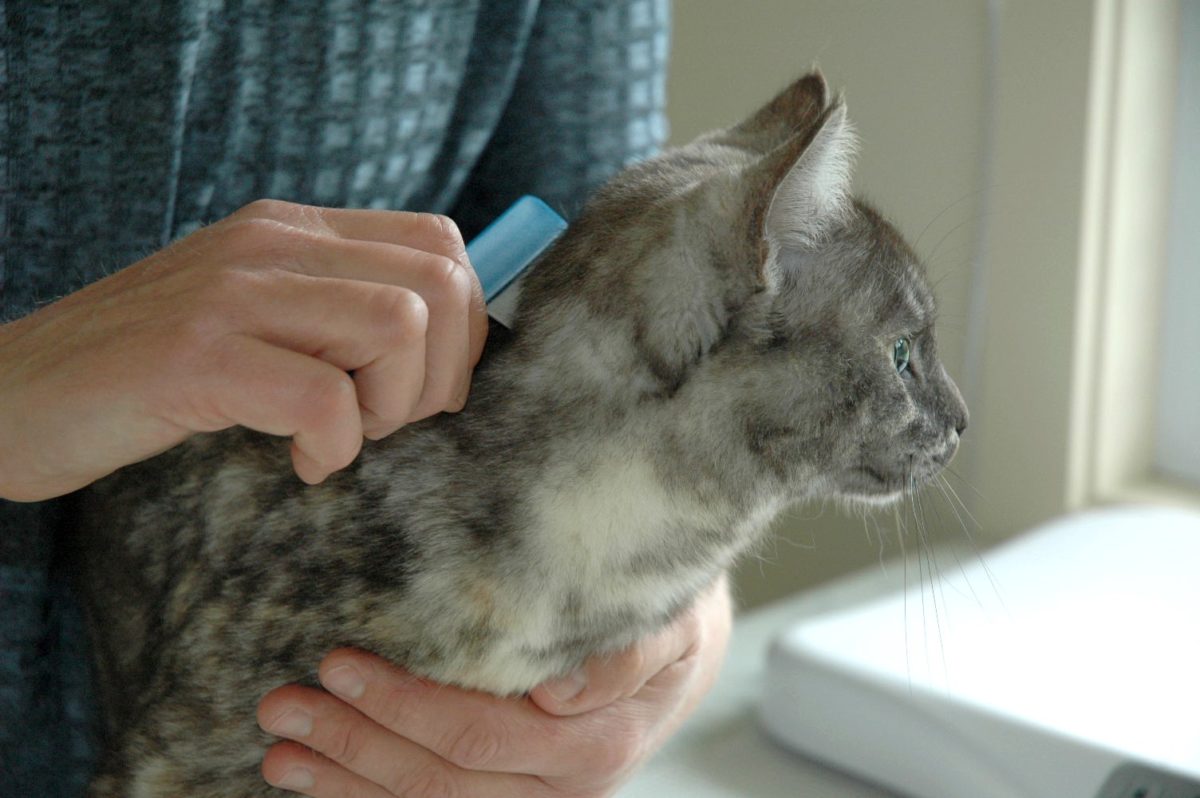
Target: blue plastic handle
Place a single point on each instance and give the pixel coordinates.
(513, 241)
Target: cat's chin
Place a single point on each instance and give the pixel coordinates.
(868, 486)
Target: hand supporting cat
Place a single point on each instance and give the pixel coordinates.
(417, 735)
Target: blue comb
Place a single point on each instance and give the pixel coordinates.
(506, 247)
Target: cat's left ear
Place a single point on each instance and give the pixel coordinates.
(801, 189)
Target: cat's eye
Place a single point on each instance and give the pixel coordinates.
(900, 354)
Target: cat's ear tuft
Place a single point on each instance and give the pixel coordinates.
(801, 189)
(794, 110)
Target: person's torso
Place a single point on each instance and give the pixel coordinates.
(126, 125)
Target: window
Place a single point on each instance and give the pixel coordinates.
(1177, 445)
(1076, 264)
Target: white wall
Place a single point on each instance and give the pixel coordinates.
(914, 78)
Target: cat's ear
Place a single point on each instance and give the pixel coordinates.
(794, 110)
(800, 189)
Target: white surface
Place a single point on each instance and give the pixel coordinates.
(1077, 648)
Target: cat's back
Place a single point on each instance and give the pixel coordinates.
(215, 554)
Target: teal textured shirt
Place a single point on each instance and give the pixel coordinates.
(125, 125)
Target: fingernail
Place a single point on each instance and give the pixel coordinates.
(345, 681)
(297, 778)
(568, 687)
(292, 723)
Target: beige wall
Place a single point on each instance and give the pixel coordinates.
(913, 74)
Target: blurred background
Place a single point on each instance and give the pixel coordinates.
(1042, 159)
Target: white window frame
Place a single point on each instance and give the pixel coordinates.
(1062, 414)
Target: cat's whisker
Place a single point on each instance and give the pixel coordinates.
(979, 217)
(904, 594)
(971, 538)
(809, 545)
(951, 470)
(953, 547)
(937, 577)
(957, 500)
(942, 485)
(944, 211)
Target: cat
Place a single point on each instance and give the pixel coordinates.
(723, 330)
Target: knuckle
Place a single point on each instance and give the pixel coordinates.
(403, 316)
(268, 240)
(329, 391)
(345, 744)
(391, 709)
(475, 747)
(445, 234)
(226, 288)
(253, 233)
(427, 781)
(326, 396)
(449, 280)
(267, 208)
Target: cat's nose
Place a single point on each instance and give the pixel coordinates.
(960, 422)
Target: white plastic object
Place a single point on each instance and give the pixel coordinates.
(1033, 672)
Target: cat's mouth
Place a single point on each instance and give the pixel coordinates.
(876, 486)
(883, 484)
(871, 485)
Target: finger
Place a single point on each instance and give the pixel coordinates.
(608, 678)
(472, 730)
(424, 231)
(354, 748)
(378, 332)
(293, 767)
(427, 231)
(280, 392)
(431, 233)
(445, 286)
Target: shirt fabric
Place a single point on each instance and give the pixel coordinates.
(126, 125)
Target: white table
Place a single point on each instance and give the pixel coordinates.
(721, 752)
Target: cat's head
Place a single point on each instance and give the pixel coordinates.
(786, 327)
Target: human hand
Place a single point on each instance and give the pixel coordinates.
(319, 324)
(392, 734)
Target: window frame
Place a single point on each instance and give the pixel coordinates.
(1076, 255)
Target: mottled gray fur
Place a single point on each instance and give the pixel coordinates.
(711, 340)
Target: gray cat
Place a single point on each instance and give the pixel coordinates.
(724, 330)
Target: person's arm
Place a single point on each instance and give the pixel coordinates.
(317, 324)
(391, 734)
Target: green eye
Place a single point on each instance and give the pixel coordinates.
(900, 353)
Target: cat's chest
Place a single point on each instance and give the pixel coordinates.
(615, 523)
(613, 553)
